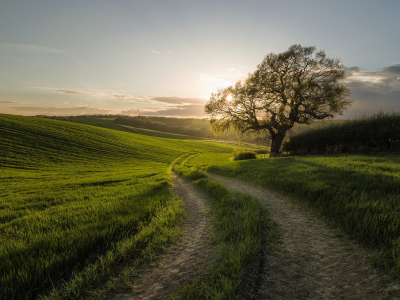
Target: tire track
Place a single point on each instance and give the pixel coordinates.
(312, 262)
(186, 259)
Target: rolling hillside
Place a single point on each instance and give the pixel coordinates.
(72, 192)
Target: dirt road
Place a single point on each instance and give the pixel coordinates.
(183, 261)
(313, 262)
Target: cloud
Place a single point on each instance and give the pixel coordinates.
(231, 69)
(373, 91)
(222, 80)
(155, 52)
(31, 48)
(110, 95)
(59, 111)
(4, 102)
(392, 70)
(185, 111)
(132, 98)
(180, 111)
(178, 100)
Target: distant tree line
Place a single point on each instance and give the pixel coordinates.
(60, 118)
(380, 131)
(187, 126)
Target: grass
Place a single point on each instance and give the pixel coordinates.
(73, 195)
(108, 123)
(360, 193)
(243, 230)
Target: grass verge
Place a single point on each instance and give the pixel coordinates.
(243, 231)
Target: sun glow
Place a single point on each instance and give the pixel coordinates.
(229, 98)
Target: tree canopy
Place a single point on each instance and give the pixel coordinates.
(295, 86)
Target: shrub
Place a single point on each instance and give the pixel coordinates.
(262, 151)
(240, 154)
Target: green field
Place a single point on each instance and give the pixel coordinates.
(108, 123)
(359, 193)
(77, 201)
(70, 193)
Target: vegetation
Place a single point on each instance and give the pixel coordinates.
(380, 131)
(243, 231)
(77, 200)
(183, 126)
(174, 128)
(360, 193)
(240, 154)
(296, 86)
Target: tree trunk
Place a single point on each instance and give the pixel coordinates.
(276, 142)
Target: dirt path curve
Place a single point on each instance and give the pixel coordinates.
(312, 263)
(183, 261)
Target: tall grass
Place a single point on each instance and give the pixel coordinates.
(378, 131)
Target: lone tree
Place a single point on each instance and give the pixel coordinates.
(295, 86)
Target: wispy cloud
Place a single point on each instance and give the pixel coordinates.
(196, 111)
(31, 48)
(178, 100)
(133, 98)
(109, 95)
(59, 111)
(155, 52)
(222, 80)
(186, 111)
(7, 102)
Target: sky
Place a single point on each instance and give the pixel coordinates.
(166, 57)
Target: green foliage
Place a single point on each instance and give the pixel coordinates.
(70, 193)
(360, 193)
(242, 226)
(241, 154)
(378, 131)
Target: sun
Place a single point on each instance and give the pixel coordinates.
(229, 98)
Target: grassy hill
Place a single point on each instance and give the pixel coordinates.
(77, 199)
(108, 123)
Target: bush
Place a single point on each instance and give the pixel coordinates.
(262, 151)
(241, 154)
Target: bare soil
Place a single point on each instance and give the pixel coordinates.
(183, 261)
(312, 262)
